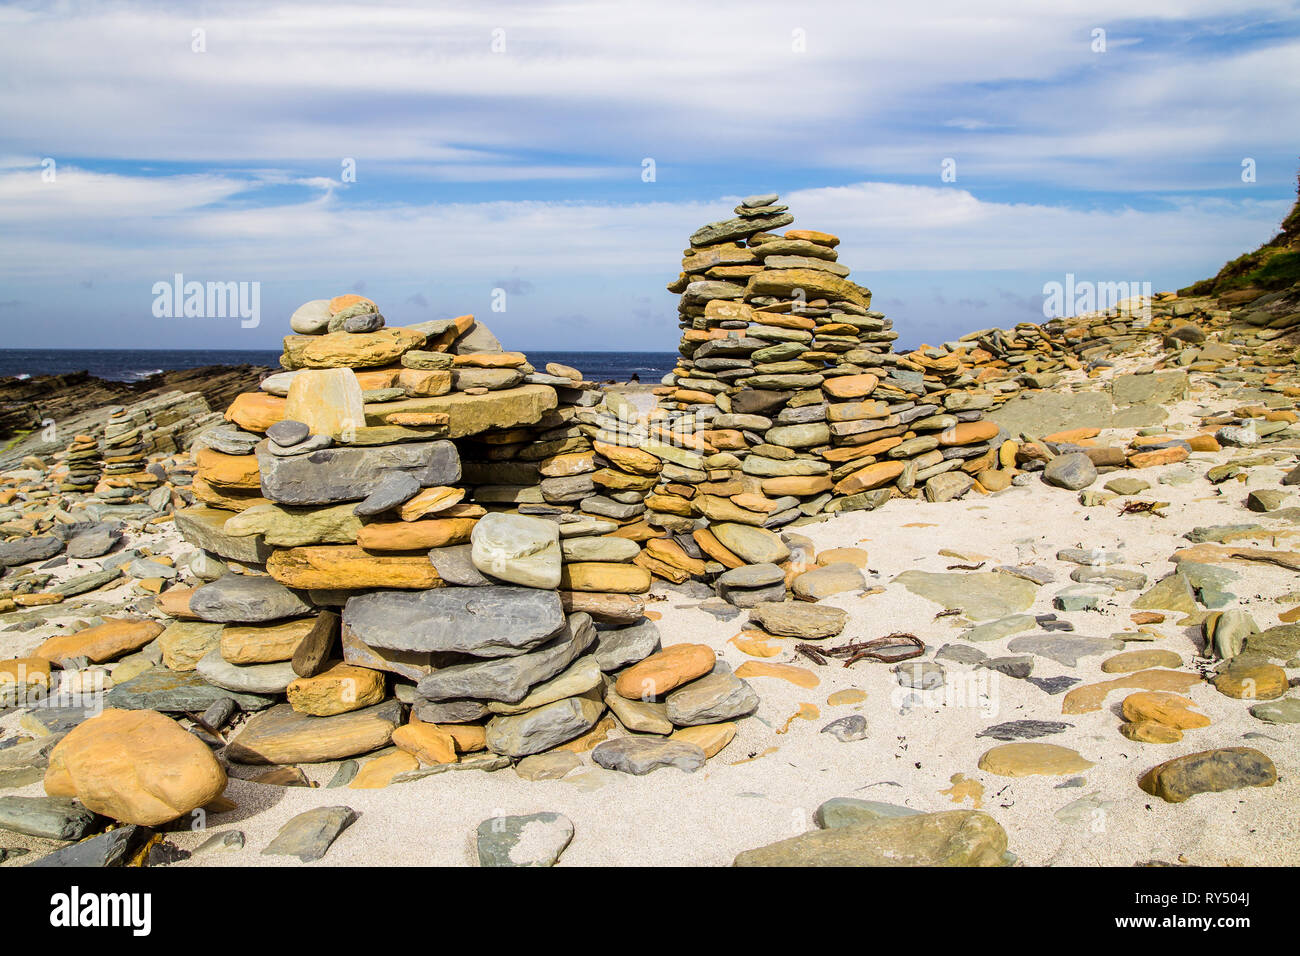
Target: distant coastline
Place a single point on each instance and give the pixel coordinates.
(137, 365)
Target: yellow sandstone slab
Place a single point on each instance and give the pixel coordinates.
(346, 566)
(1032, 759)
(799, 676)
(1090, 697)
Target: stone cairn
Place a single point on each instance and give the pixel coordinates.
(85, 465)
(406, 519)
(788, 398)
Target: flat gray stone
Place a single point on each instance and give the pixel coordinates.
(1073, 472)
(536, 839)
(352, 473)
(103, 850)
(27, 550)
(621, 647)
(52, 818)
(799, 619)
(642, 755)
(1002, 627)
(545, 727)
(494, 621)
(177, 692)
(309, 835)
(712, 699)
(246, 678)
(1064, 648)
(508, 679)
(246, 599)
(850, 811)
(846, 729)
(980, 595)
(455, 565)
(394, 488)
(1024, 729)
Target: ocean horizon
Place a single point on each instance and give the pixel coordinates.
(134, 365)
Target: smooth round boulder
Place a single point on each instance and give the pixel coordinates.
(136, 766)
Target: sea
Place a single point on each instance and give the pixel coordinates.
(133, 365)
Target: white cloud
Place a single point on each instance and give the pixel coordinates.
(683, 82)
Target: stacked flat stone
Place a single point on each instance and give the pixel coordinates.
(125, 453)
(788, 401)
(386, 533)
(85, 465)
(1005, 363)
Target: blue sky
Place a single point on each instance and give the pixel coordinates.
(521, 168)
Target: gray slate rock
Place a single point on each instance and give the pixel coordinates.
(352, 473)
(288, 432)
(496, 621)
(716, 697)
(850, 811)
(393, 489)
(536, 839)
(641, 755)
(308, 836)
(1064, 649)
(1074, 471)
(176, 692)
(246, 678)
(53, 818)
(1024, 729)
(621, 647)
(539, 729)
(846, 729)
(508, 679)
(246, 599)
(455, 565)
(27, 550)
(104, 850)
(92, 544)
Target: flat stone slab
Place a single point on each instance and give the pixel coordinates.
(621, 647)
(103, 850)
(1210, 771)
(177, 692)
(245, 678)
(1025, 760)
(712, 699)
(308, 836)
(1002, 627)
(1063, 648)
(799, 619)
(533, 731)
(351, 474)
(53, 818)
(980, 595)
(642, 755)
(951, 838)
(850, 811)
(1024, 729)
(246, 599)
(494, 621)
(281, 735)
(536, 839)
(509, 679)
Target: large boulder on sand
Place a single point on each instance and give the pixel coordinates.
(136, 766)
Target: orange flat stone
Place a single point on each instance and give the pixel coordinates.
(1090, 697)
(799, 676)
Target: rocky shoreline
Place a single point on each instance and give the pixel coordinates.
(1026, 597)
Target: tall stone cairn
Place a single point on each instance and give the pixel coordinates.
(788, 396)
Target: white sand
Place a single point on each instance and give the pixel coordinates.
(672, 818)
